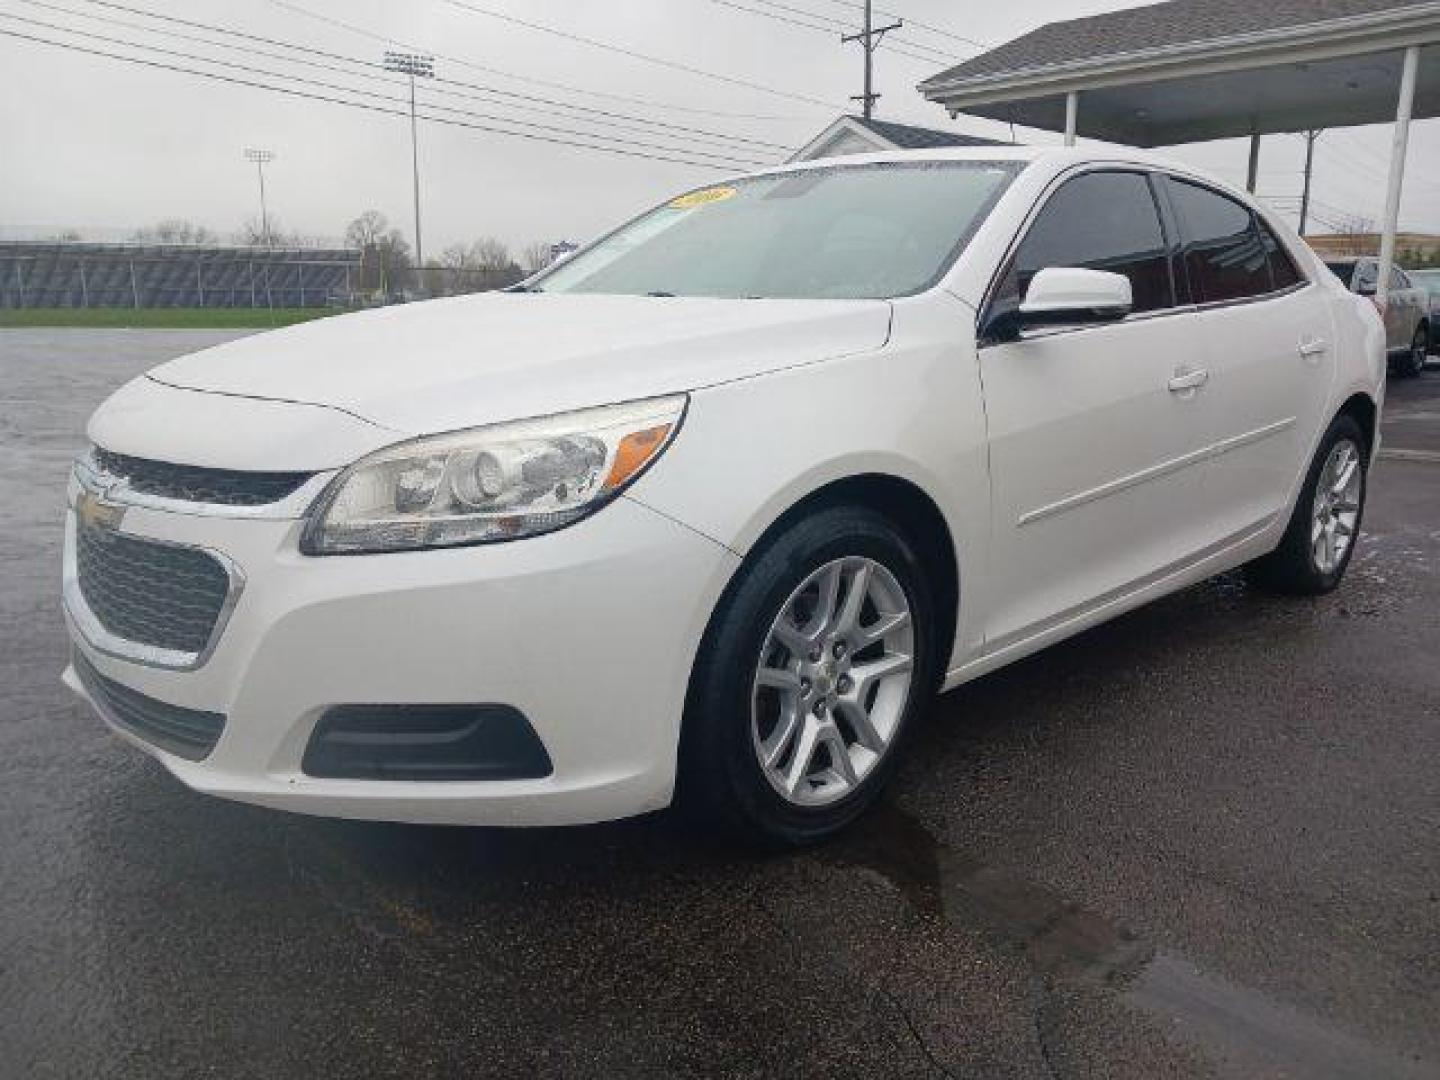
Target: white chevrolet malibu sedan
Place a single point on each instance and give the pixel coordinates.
(710, 511)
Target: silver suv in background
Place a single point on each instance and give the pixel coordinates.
(1429, 280)
(1408, 336)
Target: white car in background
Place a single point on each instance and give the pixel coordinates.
(710, 510)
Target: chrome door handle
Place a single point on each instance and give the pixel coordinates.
(1189, 380)
(1313, 347)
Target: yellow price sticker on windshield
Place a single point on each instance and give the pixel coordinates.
(702, 198)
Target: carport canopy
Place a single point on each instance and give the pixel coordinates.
(1191, 70)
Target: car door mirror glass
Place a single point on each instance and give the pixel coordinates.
(1069, 295)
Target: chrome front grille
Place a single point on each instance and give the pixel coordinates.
(193, 483)
(161, 596)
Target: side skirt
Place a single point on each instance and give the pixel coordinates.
(1229, 553)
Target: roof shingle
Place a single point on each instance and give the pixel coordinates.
(910, 137)
(1175, 22)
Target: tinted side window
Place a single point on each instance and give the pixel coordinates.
(1101, 221)
(1283, 273)
(1223, 253)
(1366, 278)
(1398, 280)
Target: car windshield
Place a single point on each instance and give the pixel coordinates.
(835, 232)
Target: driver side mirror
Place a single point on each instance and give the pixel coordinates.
(1071, 295)
(1063, 296)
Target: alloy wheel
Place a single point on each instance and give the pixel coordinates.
(1336, 510)
(832, 681)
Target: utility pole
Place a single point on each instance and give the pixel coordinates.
(413, 64)
(1310, 137)
(869, 40)
(261, 158)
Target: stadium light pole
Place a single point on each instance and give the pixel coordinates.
(261, 158)
(413, 64)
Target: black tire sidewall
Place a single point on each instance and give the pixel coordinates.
(720, 757)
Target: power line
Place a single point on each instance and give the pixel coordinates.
(308, 95)
(831, 25)
(634, 54)
(728, 160)
(375, 73)
(1378, 161)
(915, 24)
(834, 26)
(372, 35)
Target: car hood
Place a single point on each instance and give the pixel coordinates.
(466, 361)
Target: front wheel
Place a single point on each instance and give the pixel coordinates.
(1320, 539)
(809, 678)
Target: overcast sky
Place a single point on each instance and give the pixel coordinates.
(104, 147)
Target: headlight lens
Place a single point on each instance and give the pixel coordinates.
(492, 483)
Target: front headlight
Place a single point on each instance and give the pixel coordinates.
(492, 483)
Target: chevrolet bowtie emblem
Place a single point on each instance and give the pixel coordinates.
(95, 513)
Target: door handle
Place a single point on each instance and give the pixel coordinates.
(1313, 347)
(1189, 380)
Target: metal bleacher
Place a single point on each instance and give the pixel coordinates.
(77, 275)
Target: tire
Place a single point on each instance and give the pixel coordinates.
(1298, 566)
(733, 715)
(1413, 362)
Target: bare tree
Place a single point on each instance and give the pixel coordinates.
(1359, 233)
(252, 234)
(174, 231)
(535, 257)
(385, 262)
(490, 256)
(455, 257)
(366, 229)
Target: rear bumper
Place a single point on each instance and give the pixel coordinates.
(589, 632)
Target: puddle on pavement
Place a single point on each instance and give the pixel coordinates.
(1246, 1033)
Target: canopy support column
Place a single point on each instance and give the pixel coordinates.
(1398, 145)
(1252, 174)
(1072, 116)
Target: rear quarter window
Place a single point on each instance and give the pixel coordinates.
(1225, 257)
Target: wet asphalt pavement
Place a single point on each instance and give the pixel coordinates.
(1198, 841)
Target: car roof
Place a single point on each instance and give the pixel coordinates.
(1056, 158)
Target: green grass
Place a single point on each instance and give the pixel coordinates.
(163, 318)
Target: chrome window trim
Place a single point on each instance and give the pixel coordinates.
(117, 490)
(1043, 199)
(105, 641)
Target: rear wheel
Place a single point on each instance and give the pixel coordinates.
(1413, 363)
(809, 679)
(1320, 539)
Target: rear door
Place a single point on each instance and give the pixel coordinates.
(1268, 348)
(1091, 451)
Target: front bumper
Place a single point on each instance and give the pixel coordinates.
(590, 632)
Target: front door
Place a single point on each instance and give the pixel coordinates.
(1095, 432)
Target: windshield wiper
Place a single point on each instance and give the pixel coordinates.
(659, 292)
(523, 288)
